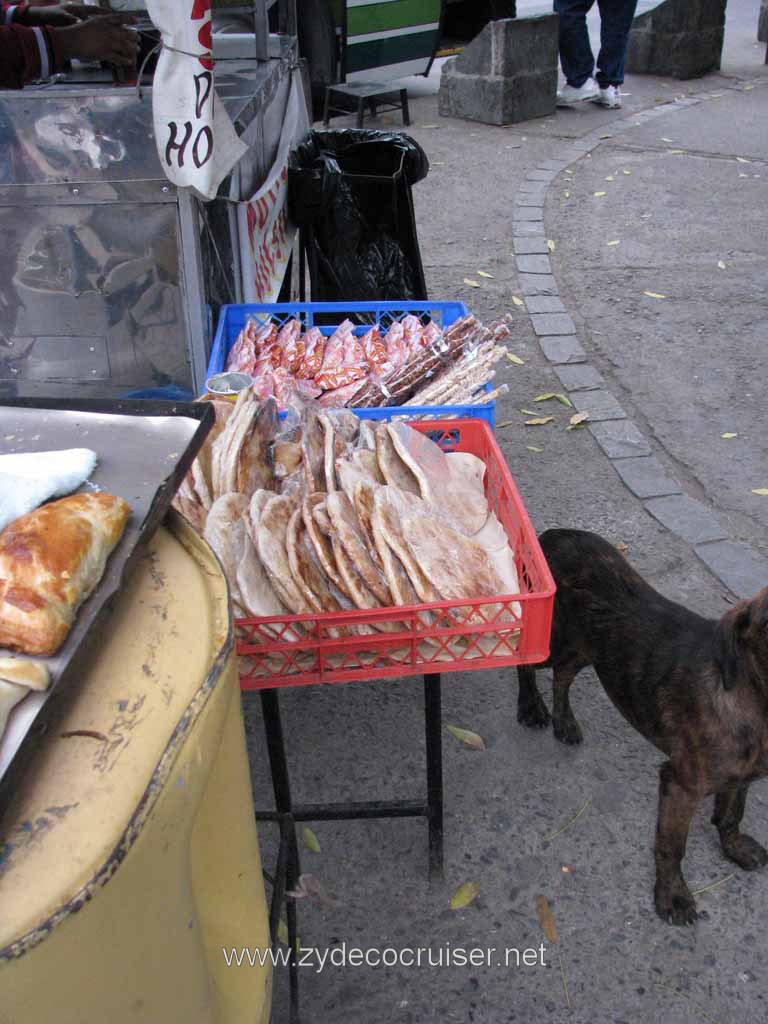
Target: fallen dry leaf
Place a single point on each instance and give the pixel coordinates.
(566, 194)
(429, 126)
(742, 160)
(533, 448)
(282, 932)
(515, 359)
(654, 295)
(471, 283)
(562, 399)
(467, 737)
(310, 839)
(506, 423)
(614, 241)
(530, 412)
(665, 139)
(484, 273)
(598, 194)
(577, 420)
(762, 491)
(517, 301)
(546, 919)
(610, 178)
(539, 421)
(605, 135)
(677, 152)
(464, 895)
(728, 435)
(721, 264)
(551, 244)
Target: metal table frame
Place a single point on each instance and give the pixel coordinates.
(286, 813)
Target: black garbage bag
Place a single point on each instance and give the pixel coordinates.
(350, 191)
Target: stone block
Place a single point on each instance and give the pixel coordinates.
(645, 477)
(687, 518)
(677, 38)
(545, 304)
(577, 378)
(545, 324)
(562, 349)
(619, 439)
(530, 246)
(508, 73)
(532, 264)
(740, 568)
(600, 404)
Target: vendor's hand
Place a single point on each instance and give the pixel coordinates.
(106, 39)
(60, 15)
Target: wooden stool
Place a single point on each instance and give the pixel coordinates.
(372, 93)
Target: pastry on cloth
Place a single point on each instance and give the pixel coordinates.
(50, 562)
(27, 479)
(17, 677)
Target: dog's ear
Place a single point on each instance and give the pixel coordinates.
(730, 647)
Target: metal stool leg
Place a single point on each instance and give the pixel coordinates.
(434, 745)
(404, 105)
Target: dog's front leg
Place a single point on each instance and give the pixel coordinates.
(531, 709)
(738, 847)
(674, 902)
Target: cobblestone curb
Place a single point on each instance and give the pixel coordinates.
(736, 565)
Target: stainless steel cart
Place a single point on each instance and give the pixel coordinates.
(110, 277)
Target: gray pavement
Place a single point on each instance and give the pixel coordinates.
(664, 379)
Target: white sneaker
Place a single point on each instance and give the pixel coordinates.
(569, 94)
(610, 96)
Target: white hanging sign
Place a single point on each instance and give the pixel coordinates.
(196, 141)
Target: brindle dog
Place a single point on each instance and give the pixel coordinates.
(696, 688)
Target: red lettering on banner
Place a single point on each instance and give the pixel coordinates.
(199, 9)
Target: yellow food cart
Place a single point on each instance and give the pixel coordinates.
(129, 857)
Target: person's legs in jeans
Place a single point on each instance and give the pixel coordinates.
(615, 22)
(576, 55)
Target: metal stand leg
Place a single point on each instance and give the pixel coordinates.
(273, 727)
(404, 105)
(434, 744)
(326, 106)
(288, 862)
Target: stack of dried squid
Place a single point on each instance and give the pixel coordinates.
(328, 512)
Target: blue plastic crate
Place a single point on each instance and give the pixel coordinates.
(327, 316)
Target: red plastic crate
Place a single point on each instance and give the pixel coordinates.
(459, 636)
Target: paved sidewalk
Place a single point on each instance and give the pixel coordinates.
(662, 380)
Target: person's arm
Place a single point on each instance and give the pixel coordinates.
(27, 54)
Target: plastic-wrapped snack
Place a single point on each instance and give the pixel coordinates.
(314, 349)
(397, 348)
(413, 330)
(343, 395)
(242, 355)
(375, 351)
(339, 376)
(333, 357)
(291, 345)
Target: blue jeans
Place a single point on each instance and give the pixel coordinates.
(576, 53)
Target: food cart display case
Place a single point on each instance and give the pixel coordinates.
(110, 276)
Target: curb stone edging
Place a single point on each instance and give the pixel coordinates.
(736, 565)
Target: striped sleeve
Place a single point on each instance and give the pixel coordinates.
(26, 54)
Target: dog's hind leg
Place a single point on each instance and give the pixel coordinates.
(737, 846)
(564, 724)
(531, 709)
(673, 899)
